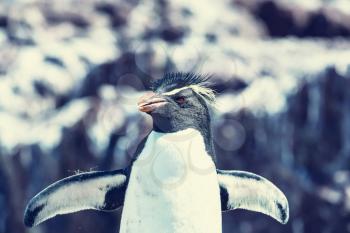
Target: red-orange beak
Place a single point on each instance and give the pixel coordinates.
(150, 101)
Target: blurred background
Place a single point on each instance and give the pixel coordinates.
(71, 72)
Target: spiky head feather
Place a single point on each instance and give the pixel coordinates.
(173, 82)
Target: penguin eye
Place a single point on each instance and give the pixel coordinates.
(180, 99)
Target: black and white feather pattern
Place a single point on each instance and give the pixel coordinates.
(103, 191)
(245, 190)
(172, 83)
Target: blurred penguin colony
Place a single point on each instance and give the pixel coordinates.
(71, 73)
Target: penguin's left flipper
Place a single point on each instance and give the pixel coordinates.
(103, 191)
(244, 190)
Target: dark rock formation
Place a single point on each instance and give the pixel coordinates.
(282, 19)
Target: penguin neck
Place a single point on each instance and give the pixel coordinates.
(204, 130)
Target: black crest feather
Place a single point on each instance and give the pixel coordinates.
(178, 80)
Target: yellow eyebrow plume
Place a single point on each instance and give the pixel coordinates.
(207, 93)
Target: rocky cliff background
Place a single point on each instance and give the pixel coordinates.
(71, 72)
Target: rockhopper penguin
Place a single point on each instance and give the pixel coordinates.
(172, 185)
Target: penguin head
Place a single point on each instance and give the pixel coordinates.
(178, 101)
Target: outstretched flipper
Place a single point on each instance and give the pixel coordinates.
(244, 190)
(103, 191)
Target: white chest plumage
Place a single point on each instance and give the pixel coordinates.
(173, 187)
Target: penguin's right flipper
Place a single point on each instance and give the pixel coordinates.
(245, 190)
(103, 191)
